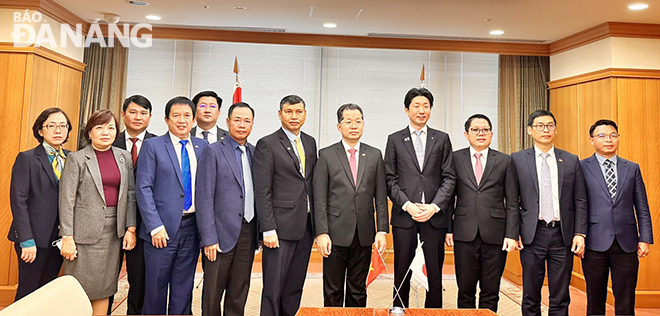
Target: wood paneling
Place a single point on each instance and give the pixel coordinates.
(68, 99)
(597, 100)
(44, 52)
(563, 104)
(605, 73)
(601, 31)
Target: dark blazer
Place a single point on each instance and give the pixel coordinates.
(219, 198)
(33, 196)
(490, 207)
(340, 205)
(622, 218)
(572, 194)
(406, 181)
(82, 203)
(281, 191)
(159, 187)
(120, 141)
(220, 132)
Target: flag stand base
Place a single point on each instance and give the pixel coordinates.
(396, 310)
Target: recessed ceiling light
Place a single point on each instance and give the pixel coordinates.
(207, 6)
(153, 17)
(638, 6)
(137, 3)
(496, 32)
(329, 25)
(240, 7)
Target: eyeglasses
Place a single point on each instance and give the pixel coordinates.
(477, 131)
(350, 123)
(541, 127)
(210, 106)
(53, 126)
(610, 136)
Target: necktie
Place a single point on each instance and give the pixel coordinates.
(248, 213)
(134, 151)
(58, 161)
(547, 209)
(205, 134)
(352, 161)
(610, 179)
(478, 168)
(419, 149)
(301, 155)
(186, 176)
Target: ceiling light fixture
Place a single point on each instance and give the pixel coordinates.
(239, 7)
(111, 18)
(638, 6)
(138, 3)
(153, 17)
(329, 25)
(207, 7)
(496, 32)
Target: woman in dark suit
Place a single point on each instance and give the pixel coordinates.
(97, 210)
(34, 191)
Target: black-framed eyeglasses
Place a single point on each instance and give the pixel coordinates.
(610, 136)
(477, 131)
(53, 126)
(541, 127)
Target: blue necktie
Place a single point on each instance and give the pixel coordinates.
(186, 176)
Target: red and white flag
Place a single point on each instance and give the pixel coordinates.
(238, 91)
(418, 267)
(376, 267)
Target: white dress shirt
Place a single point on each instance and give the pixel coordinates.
(423, 136)
(129, 142)
(554, 178)
(213, 134)
(484, 158)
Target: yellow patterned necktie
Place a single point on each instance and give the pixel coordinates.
(301, 154)
(57, 168)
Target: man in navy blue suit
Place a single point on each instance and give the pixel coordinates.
(226, 218)
(619, 222)
(165, 187)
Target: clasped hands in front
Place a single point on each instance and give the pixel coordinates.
(420, 212)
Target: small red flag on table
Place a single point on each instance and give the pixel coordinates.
(377, 266)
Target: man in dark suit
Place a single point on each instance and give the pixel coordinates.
(284, 170)
(486, 218)
(226, 216)
(553, 211)
(136, 113)
(349, 187)
(420, 182)
(619, 222)
(166, 171)
(208, 111)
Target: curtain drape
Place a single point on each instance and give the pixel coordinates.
(103, 82)
(523, 89)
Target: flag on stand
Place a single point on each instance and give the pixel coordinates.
(237, 88)
(422, 78)
(418, 267)
(377, 266)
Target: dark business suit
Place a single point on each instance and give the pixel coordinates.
(483, 215)
(219, 131)
(616, 226)
(160, 197)
(345, 210)
(551, 245)
(135, 257)
(220, 207)
(34, 194)
(284, 196)
(406, 181)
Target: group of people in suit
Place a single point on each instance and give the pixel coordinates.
(162, 200)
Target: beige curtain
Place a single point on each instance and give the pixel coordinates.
(103, 82)
(523, 89)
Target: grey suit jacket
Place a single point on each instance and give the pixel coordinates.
(82, 203)
(491, 207)
(340, 205)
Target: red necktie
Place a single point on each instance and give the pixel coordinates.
(478, 168)
(352, 161)
(134, 151)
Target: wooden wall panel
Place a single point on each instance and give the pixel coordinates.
(43, 93)
(68, 99)
(597, 100)
(563, 104)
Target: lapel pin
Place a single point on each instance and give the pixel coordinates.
(364, 155)
(121, 159)
(432, 137)
(560, 160)
(288, 148)
(407, 139)
(222, 137)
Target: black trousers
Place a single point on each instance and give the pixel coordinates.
(44, 269)
(623, 266)
(482, 263)
(346, 267)
(284, 272)
(547, 248)
(405, 243)
(230, 275)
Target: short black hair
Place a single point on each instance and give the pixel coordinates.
(137, 99)
(100, 117)
(539, 113)
(179, 100)
(602, 122)
(239, 105)
(207, 94)
(41, 119)
(417, 92)
(477, 116)
(348, 106)
(291, 99)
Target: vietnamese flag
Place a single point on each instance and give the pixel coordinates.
(377, 266)
(237, 87)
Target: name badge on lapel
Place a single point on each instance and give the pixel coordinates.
(407, 139)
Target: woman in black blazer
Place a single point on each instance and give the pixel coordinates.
(34, 202)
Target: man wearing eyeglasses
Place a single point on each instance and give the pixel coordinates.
(486, 218)
(553, 211)
(619, 222)
(207, 112)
